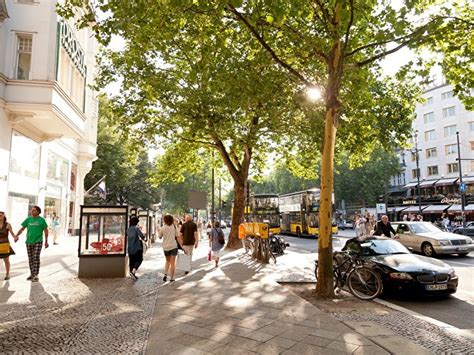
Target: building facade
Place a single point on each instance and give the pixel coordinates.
(48, 112)
(438, 123)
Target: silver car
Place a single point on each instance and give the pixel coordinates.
(428, 239)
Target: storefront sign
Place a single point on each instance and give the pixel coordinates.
(409, 202)
(454, 201)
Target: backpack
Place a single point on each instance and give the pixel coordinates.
(220, 237)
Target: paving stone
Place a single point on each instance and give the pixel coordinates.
(341, 346)
(229, 350)
(318, 341)
(258, 335)
(267, 349)
(370, 350)
(245, 343)
(281, 342)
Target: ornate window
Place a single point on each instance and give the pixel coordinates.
(23, 56)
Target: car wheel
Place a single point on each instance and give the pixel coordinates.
(462, 254)
(427, 249)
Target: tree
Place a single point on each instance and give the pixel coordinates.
(333, 45)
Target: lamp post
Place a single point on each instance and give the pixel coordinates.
(212, 190)
(461, 185)
(417, 159)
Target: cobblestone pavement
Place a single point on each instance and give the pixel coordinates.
(63, 314)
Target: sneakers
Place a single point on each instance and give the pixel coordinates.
(186, 272)
(29, 278)
(7, 278)
(165, 278)
(133, 276)
(172, 280)
(35, 279)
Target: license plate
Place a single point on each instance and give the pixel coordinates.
(462, 249)
(436, 287)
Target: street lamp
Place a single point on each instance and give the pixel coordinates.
(461, 184)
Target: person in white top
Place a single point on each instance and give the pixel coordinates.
(169, 233)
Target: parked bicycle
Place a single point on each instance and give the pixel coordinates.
(351, 271)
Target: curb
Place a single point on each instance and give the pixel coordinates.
(464, 333)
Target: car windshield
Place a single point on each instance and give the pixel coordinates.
(382, 247)
(424, 227)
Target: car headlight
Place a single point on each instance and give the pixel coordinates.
(444, 242)
(452, 274)
(469, 241)
(400, 276)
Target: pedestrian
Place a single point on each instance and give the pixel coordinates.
(5, 248)
(384, 227)
(419, 218)
(55, 225)
(135, 240)
(35, 227)
(199, 227)
(215, 242)
(169, 234)
(188, 232)
(208, 229)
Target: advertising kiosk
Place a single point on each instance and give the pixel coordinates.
(103, 242)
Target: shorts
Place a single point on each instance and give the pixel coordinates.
(172, 252)
(216, 254)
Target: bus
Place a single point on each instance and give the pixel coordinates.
(264, 208)
(300, 213)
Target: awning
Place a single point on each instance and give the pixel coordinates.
(414, 209)
(457, 208)
(396, 208)
(435, 208)
(469, 208)
(427, 183)
(445, 182)
(410, 185)
(469, 180)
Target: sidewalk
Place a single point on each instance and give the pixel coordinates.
(236, 309)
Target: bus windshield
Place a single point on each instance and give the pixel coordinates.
(266, 202)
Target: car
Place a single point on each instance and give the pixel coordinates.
(426, 238)
(341, 225)
(349, 225)
(468, 231)
(401, 271)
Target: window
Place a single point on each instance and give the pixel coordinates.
(449, 112)
(23, 57)
(432, 170)
(471, 126)
(413, 156)
(431, 153)
(414, 173)
(430, 135)
(472, 145)
(451, 149)
(450, 131)
(452, 168)
(428, 117)
(447, 95)
(472, 165)
(429, 101)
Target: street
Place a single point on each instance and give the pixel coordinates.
(453, 310)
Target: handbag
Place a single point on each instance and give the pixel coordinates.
(183, 262)
(209, 255)
(4, 248)
(143, 241)
(220, 236)
(176, 238)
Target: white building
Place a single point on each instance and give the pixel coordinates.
(48, 114)
(436, 124)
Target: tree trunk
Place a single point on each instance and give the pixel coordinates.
(325, 286)
(237, 215)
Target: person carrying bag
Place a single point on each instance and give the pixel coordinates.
(136, 242)
(216, 242)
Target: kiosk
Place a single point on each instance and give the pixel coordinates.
(103, 242)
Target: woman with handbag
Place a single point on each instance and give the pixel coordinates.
(169, 233)
(5, 247)
(216, 242)
(135, 240)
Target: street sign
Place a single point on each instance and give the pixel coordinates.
(381, 208)
(462, 187)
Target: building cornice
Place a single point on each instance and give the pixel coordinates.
(436, 87)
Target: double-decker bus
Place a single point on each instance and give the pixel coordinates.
(264, 208)
(300, 213)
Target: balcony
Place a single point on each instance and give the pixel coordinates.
(42, 109)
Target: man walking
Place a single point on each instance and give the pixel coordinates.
(189, 234)
(35, 226)
(384, 227)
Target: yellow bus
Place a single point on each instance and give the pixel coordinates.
(300, 213)
(264, 208)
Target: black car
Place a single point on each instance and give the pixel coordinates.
(468, 231)
(402, 271)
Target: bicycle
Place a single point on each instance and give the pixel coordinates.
(351, 270)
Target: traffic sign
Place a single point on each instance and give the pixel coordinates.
(462, 187)
(381, 208)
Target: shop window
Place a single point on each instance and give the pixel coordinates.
(452, 168)
(450, 131)
(451, 149)
(431, 153)
(23, 57)
(432, 170)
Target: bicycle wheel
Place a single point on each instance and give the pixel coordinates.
(364, 283)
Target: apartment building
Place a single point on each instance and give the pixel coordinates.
(438, 123)
(48, 113)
